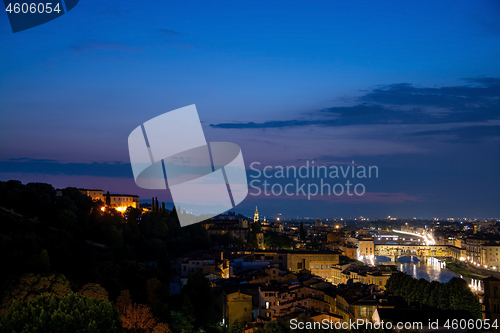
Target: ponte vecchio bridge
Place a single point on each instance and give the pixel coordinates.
(394, 251)
(397, 237)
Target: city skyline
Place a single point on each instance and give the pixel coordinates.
(335, 83)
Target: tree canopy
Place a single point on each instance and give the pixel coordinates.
(454, 295)
(72, 314)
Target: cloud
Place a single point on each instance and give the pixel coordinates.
(466, 134)
(26, 159)
(51, 167)
(362, 114)
(269, 124)
(478, 91)
(403, 103)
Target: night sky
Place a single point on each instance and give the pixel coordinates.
(410, 87)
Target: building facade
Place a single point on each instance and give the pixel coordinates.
(318, 262)
(366, 247)
(118, 201)
(238, 307)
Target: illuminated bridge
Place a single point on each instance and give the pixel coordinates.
(397, 237)
(420, 251)
(401, 241)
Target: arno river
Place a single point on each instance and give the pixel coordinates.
(428, 271)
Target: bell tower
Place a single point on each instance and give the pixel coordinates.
(256, 215)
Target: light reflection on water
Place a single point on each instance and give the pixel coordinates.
(430, 272)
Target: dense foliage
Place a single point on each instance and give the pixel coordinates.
(58, 245)
(277, 241)
(255, 228)
(72, 314)
(455, 294)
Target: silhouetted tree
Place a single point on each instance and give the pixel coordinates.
(153, 287)
(182, 322)
(161, 328)
(123, 301)
(454, 295)
(94, 290)
(138, 318)
(197, 294)
(28, 286)
(302, 232)
(43, 262)
(236, 328)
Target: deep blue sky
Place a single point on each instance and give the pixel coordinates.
(412, 87)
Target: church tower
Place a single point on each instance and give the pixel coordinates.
(256, 215)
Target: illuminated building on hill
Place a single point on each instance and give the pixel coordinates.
(120, 202)
(94, 194)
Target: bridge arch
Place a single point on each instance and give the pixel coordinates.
(408, 258)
